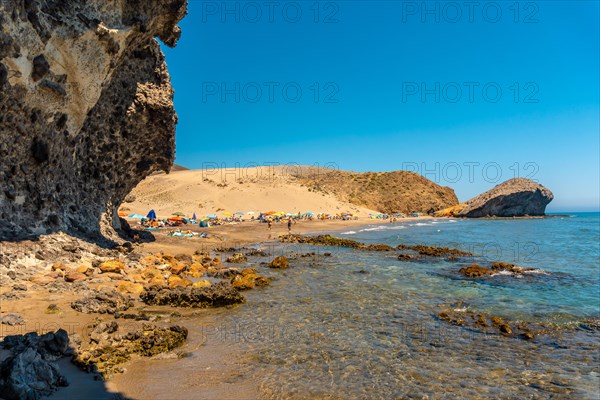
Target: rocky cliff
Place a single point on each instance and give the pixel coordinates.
(86, 110)
(516, 197)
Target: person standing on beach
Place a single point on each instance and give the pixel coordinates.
(269, 224)
(290, 225)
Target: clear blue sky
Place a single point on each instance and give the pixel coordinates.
(389, 85)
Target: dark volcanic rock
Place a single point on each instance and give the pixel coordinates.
(217, 295)
(516, 197)
(29, 372)
(86, 110)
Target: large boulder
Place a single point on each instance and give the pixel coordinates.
(29, 372)
(517, 197)
(86, 110)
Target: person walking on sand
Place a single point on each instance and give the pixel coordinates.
(269, 224)
(290, 225)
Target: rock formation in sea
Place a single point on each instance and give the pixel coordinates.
(86, 110)
(517, 197)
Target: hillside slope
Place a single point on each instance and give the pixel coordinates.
(390, 192)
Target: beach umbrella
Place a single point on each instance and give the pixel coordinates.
(250, 213)
(123, 214)
(239, 213)
(136, 216)
(194, 216)
(227, 213)
(211, 216)
(151, 215)
(179, 214)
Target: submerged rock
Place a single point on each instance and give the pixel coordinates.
(279, 262)
(433, 251)
(516, 197)
(328, 240)
(217, 295)
(237, 258)
(461, 315)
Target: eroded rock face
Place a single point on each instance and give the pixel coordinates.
(86, 110)
(516, 197)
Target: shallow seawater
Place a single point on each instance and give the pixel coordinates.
(362, 325)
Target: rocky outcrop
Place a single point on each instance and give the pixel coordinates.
(516, 197)
(108, 348)
(86, 110)
(30, 372)
(218, 295)
(102, 302)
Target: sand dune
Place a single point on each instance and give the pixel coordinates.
(216, 190)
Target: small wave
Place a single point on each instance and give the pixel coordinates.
(536, 271)
(383, 228)
(348, 233)
(377, 228)
(503, 273)
(464, 309)
(422, 224)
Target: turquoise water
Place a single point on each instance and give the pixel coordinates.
(362, 325)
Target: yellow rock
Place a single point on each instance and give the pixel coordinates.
(59, 267)
(157, 281)
(86, 270)
(176, 281)
(112, 266)
(202, 284)
(176, 267)
(148, 260)
(196, 270)
(243, 282)
(168, 257)
(130, 287)
(137, 278)
(151, 272)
